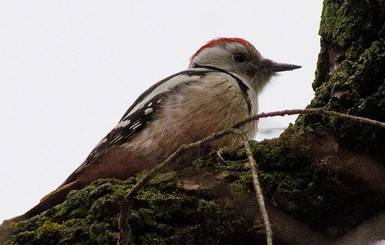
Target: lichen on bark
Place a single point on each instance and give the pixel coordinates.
(350, 77)
(169, 210)
(322, 178)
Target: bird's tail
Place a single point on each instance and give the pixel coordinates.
(50, 200)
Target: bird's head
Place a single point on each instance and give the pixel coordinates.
(241, 58)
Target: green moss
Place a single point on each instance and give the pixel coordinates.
(350, 76)
(162, 213)
(344, 21)
(304, 173)
(165, 213)
(242, 185)
(49, 227)
(356, 87)
(76, 231)
(47, 232)
(164, 181)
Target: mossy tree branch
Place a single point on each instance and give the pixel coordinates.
(125, 233)
(322, 178)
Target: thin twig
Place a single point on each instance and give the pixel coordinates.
(310, 111)
(258, 191)
(125, 232)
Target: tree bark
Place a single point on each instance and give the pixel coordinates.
(323, 178)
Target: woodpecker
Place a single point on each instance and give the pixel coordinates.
(219, 88)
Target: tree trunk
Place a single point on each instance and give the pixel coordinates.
(323, 178)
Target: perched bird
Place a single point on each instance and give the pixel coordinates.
(219, 88)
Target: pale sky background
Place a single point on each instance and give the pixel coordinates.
(70, 69)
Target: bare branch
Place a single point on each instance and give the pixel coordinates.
(125, 232)
(258, 191)
(310, 111)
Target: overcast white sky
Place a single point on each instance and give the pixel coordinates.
(70, 69)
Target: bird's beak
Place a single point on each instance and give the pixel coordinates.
(277, 67)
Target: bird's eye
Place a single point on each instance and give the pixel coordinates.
(240, 57)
